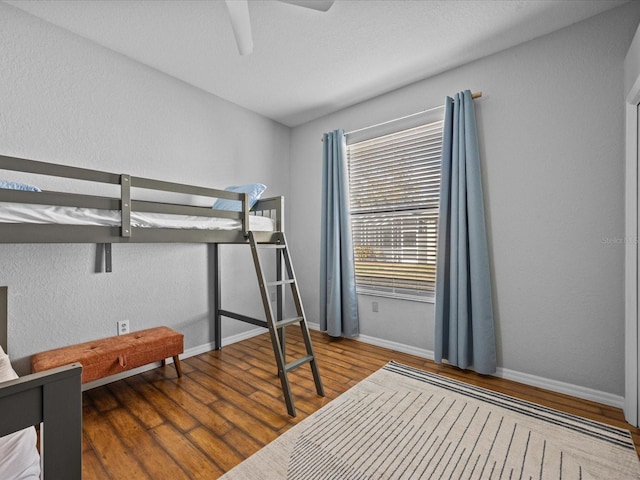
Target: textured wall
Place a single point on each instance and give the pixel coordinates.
(66, 100)
(551, 136)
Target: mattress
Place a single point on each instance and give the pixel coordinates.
(48, 214)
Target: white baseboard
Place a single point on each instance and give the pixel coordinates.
(207, 347)
(526, 378)
(562, 387)
(398, 347)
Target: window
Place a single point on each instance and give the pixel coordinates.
(394, 184)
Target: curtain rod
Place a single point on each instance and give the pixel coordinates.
(474, 95)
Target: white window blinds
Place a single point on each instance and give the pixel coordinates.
(394, 186)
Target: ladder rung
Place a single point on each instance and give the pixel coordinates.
(296, 363)
(288, 321)
(270, 245)
(280, 282)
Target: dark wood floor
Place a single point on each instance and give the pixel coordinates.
(229, 404)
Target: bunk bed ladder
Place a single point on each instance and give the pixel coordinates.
(276, 324)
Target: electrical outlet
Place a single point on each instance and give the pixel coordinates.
(374, 306)
(123, 327)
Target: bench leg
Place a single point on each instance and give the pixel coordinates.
(176, 363)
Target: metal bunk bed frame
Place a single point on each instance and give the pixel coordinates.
(126, 233)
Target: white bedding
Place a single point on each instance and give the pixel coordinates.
(26, 213)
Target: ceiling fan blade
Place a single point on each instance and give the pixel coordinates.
(241, 24)
(321, 5)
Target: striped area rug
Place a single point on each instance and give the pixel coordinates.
(404, 423)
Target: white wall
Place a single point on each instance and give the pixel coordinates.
(66, 100)
(551, 138)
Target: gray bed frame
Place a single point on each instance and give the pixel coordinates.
(52, 233)
(45, 233)
(54, 396)
(54, 400)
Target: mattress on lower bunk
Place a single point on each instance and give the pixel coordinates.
(49, 214)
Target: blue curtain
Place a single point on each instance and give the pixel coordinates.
(338, 299)
(464, 329)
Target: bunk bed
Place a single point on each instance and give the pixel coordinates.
(43, 216)
(125, 219)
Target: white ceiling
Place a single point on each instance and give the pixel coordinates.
(306, 63)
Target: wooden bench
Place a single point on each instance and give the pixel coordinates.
(108, 356)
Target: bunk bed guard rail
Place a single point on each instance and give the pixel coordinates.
(126, 204)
